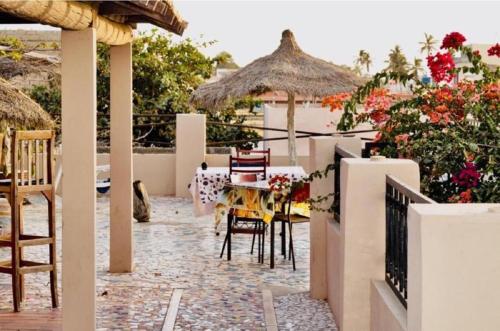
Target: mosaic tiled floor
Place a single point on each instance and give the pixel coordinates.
(176, 250)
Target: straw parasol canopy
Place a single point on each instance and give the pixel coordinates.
(19, 111)
(287, 69)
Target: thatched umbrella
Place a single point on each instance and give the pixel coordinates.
(287, 69)
(18, 111)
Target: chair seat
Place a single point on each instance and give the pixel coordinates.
(293, 218)
(26, 267)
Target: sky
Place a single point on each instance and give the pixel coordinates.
(334, 30)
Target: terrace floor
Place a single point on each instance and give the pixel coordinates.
(175, 251)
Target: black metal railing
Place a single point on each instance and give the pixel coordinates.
(340, 153)
(398, 197)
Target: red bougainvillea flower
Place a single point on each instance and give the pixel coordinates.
(491, 95)
(494, 50)
(466, 196)
(377, 104)
(336, 102)
(453, 40)
(467, 177)
(441, 66)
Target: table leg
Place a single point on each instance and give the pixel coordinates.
(272, 244)
(263, 241)
(283, 239)
(229, 226)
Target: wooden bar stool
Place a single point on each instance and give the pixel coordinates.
(32, 172)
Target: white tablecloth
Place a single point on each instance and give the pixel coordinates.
(206, 185)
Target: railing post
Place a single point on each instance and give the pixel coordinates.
(190, 148)
(453, 267)
(321, 154)
(362, 234)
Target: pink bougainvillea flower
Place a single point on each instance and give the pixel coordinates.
(494, 50)
(441, 66)
(453, 40)
(402, 138)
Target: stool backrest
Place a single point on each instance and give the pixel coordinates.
(32, 159)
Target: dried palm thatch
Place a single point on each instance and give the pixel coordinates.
(287, 69)
(32, 69)
(17, 110)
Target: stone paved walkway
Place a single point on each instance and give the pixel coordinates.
(176, 250)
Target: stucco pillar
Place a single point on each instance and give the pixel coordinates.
(79, 178)
(321, 151)
(190, 146)
(362, 230)
(121, 254)
(453, 267)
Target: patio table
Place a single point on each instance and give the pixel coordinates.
(207, 185)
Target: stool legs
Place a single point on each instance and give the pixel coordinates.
(15, 250)
(52, 247)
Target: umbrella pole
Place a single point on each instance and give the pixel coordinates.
(292, 149)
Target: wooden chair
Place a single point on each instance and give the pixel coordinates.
(239, 174)
(297, 194)
(241, 153)
(32, 172)
(248, 165)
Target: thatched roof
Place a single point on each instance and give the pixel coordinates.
(19, 111)
(31, 63)
(287, 69)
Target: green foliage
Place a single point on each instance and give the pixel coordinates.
(220, 133)
(451, 131)
(49, 98)
(224, 60)
(14, 48)
(397, 61)
(165, 73)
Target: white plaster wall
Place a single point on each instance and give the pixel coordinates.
(387, 313)
(453, 267)
(313, 119)
(156, 171)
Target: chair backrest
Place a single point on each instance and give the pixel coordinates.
(32, 160)
(247, 165)
(240, 153)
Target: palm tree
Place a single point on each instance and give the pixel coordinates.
(428, 45)
(364, 59)
(397, 61)
(357, 70)
(416, 68)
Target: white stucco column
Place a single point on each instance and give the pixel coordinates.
(79, 178)
(321, 151)
(362, 231)
(453, 267)
(190, 147)
(121, 254)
